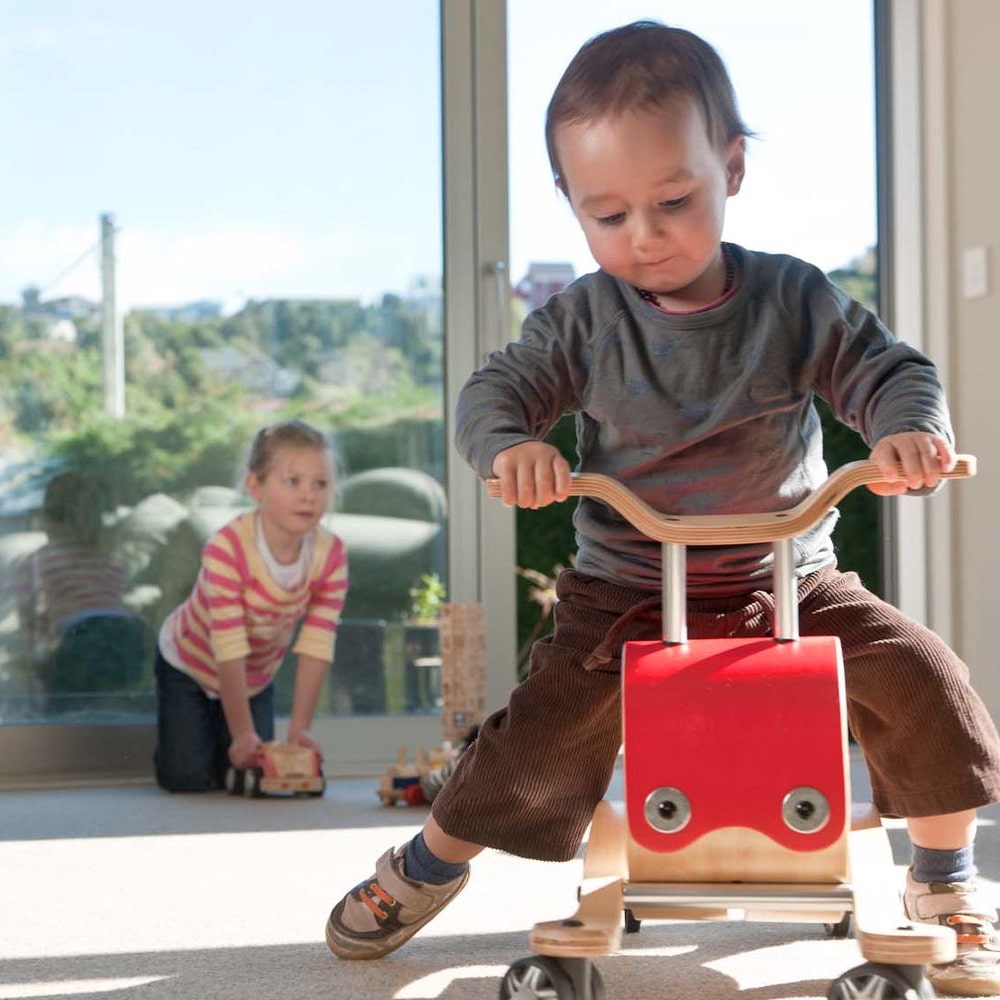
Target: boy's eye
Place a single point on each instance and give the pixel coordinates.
(611, 220)
(674, 203)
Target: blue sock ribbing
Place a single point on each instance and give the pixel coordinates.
(943, 866)
(421, 864)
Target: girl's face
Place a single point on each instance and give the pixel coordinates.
(650, 190)
(293, 494)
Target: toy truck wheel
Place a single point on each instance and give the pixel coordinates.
(251, 782)
(881, 982)
(632, 922)
(234, 781)
(317, 793)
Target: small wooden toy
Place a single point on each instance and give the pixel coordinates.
(463, 700)
(401, 782)
(279, 769)
(748, 816)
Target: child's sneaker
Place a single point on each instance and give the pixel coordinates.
(386, 910)
(959, 905)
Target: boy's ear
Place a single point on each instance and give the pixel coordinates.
(735, 165)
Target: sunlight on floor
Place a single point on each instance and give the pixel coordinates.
(434, 985)
(73, 987)
(762, 967)
(297, 873)
(300, 874)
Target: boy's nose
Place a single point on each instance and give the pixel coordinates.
(647, 232)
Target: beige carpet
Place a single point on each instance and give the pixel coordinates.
(129, 892)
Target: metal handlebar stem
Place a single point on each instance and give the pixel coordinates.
(786, 604)
(674, 574)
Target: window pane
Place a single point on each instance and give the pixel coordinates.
(215, 219)
(803, 75)
(804, 79)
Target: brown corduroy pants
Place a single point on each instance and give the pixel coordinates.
(530, 782)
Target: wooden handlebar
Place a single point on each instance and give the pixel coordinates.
(734, 529)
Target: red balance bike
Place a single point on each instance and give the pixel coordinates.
(749, 815)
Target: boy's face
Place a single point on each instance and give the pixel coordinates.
(650, 189)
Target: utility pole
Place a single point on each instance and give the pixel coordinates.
(112, 335)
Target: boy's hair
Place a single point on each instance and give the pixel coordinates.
(71, 508)
(286, 434)
(643, 66)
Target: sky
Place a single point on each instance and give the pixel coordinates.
(251, 149)
(803, 76)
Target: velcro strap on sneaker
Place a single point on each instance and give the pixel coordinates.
(415, 898)
(945, 904)
(981, 935)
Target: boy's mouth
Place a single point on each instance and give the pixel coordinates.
(659, 262)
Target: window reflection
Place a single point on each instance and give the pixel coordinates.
(78, 633)
(265, 257)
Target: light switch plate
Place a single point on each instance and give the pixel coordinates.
(975, 272)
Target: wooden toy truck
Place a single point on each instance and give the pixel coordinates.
(279, 769)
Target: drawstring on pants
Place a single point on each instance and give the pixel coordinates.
(760, 603)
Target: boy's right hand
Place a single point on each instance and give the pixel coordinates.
(532, 474)
(242, 750)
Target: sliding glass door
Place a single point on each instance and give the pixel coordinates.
(217, 220)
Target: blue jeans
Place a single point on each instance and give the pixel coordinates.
(192, 738)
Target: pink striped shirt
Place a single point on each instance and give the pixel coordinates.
(237, 611)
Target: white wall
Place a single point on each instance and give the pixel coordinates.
(960, 153)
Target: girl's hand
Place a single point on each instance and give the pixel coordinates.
(242, 750)
(532, 474)
(923, 458)
(305, 739)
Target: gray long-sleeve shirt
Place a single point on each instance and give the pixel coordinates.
(701, 413)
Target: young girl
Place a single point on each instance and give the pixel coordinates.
(691, 365)
(260, 575)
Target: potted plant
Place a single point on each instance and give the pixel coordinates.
(421, 644)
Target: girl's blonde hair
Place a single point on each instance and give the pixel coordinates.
(286, 434)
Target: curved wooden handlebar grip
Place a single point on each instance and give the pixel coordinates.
(734, 529)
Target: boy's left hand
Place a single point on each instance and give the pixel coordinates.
(923, 458)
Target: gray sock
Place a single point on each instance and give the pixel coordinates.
(421, 864)
(943, 866)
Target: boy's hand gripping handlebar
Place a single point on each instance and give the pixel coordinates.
(675, 532)
(734, 529)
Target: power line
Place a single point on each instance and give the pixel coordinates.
(62, 274)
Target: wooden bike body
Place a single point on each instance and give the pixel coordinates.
(737, 785)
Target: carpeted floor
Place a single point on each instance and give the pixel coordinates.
(129, 892)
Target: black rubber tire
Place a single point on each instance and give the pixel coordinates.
(884, 982)
(251, 782)
(539, 977)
